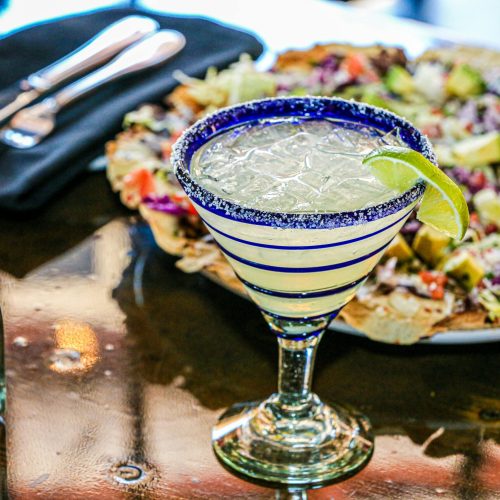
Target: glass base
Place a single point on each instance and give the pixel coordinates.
(309, 444)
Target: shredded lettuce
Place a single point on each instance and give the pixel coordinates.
(240, 82)
(153, 118)
(491, 303)
(143, 116)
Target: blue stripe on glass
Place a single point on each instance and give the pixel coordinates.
(305, 247)
(316, 269)
(331, 315)
(302, 295)
(302, 336)
(319, 220)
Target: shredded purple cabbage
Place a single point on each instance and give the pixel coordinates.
(330, 61)
(491, 118)
(411, 227)
(483, 113)
(164, 204)
(474, 181)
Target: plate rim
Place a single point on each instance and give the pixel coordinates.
(452, 337)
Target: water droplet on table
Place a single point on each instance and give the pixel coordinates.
(179, 381)
(39, 480)
(65, 360)
(20, 341)
(129, 474)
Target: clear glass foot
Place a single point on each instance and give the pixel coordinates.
(308, 444)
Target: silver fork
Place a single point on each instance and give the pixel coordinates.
(31, 125)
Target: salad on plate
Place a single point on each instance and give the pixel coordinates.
(427, 283)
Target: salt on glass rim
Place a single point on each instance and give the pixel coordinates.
(307, 107)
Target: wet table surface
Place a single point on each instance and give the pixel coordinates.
(117, 365)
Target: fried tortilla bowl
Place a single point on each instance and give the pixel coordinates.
(395, 318)
(396, 315)
(478, 57)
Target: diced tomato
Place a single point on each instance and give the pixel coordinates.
(474, 218)
(178, 198)
(355, 64)
(441, 279)
(175, 135)
(166, 147)
(437, 293)
(491, 228)
(166, 150)
(183, 201)
(141, 180)
(433, 131)
(435, 282)
(433, 278)
(426, 276)
(370, 76)
(477, 181)
(191, 210)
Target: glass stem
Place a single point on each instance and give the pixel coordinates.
(296, 365)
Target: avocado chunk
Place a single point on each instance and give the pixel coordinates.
(399, 249)
(399, 81)
(464, 81)
(405, 109)
(465, 269)
(478, 150)
(487, 203)
(430, 244)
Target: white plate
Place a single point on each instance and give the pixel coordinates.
(453, 337)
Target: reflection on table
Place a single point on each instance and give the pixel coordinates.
(118, 365)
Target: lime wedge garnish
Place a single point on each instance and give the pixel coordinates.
(443, 205)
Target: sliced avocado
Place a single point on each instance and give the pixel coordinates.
(465, 269)
(430, 244)
(399, 81)
(478, 150)
(487, 203)
(464, 81)
(399, 249)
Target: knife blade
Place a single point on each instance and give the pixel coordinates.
(99, 49)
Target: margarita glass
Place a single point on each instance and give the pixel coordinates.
(300, 269)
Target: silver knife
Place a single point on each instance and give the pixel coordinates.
(102, 47)
(31, 125)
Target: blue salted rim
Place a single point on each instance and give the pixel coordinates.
(307, 107)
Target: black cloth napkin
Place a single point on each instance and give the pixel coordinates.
(29, 178)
